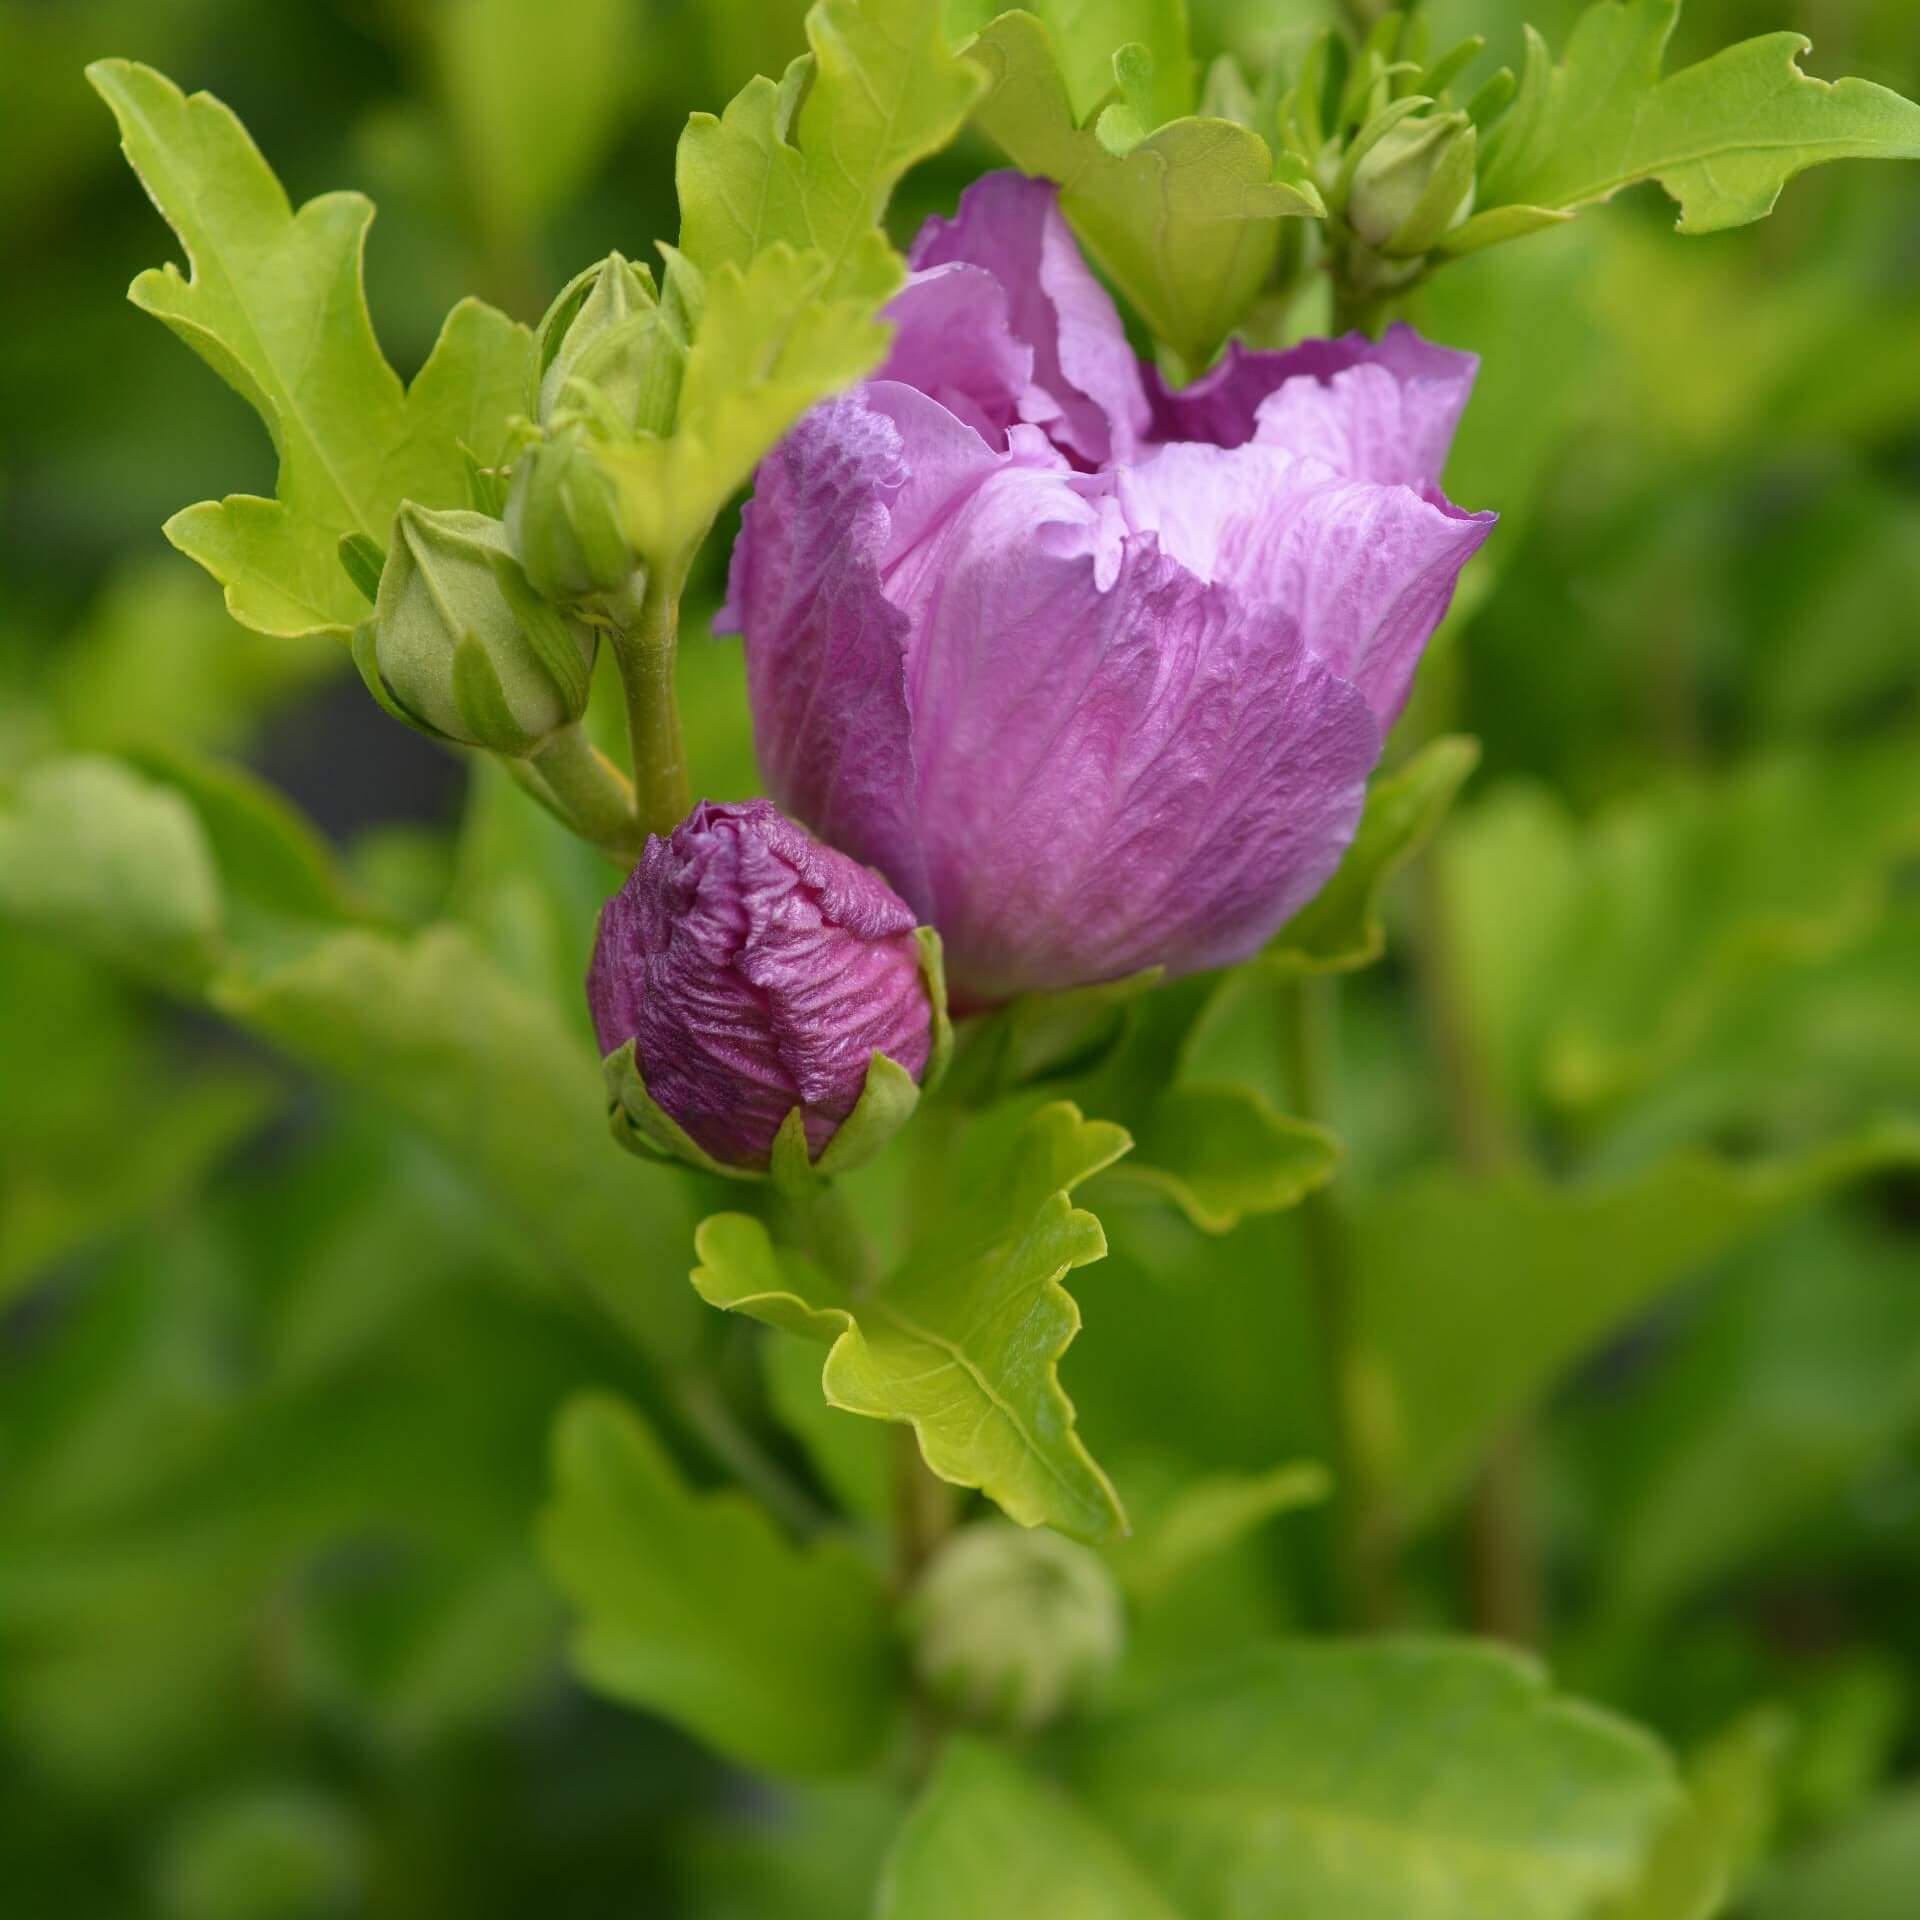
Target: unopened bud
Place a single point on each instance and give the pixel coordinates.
(563, 518)
(608, 352)
(1012, 1628)
(1414, 184)
(745, 975)
(460, 643)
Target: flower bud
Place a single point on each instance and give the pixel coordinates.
(1415, 183)
(459, 642)
(563, 519)
(607, 350)
(746, 975)
(1013, 1628)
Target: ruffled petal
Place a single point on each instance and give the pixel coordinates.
(1366, 571)
(1087, 390)
(952, 340)
(1118, 764)
(1381, 410)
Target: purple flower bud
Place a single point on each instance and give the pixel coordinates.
(1093, 671)
(756, 971)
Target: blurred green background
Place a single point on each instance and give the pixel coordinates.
(276, 1374)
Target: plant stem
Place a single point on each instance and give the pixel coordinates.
(705, 1410)
(1507, 1584)
(645, 653)
(1366, 1533)
(591, 793)
(922, 1502)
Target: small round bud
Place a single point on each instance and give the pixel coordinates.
(1012, 1628)
(607, 351)
(461, 644)
(563, 518)
(1414, 184)
(756, 973)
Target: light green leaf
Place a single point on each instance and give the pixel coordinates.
(1216, 1148)
(849, 1454)
(770, 343)
(1185, 222)
(433, 1029)
(1089, 34)
(693, 1606)
(1865, 1871)
(879, 92)
(963, 1341)
(1476, 1296)
(1401, 1780)
(988, 1837)
(1340, 928)
(1722, 137)
(276, 307)
(1712, 1841)
(1206, 1516)
(1412, 1780)
(96, 856)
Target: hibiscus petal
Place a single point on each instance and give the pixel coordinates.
(1151, 772)
(825, 648)
(1366, 570)
(952, 340)
(1087, 389)
(1381, 410)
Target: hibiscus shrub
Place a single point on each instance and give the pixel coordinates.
(1055, 855)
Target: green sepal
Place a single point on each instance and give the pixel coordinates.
(482, 702)
(933, 970)
(360, 554)
(363, 647)
(547, 632)
(887, 1102)
(647, 1129)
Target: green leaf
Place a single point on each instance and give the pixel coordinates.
(693, 1606)
(879, 92)
(96, 856)
(849, 1454)
(1722, 137)
(1340, 928)
(1778, 1397)
(1214, 1147)
(1206, 1516)
(276, 307)
(964, 1339)
(770, 343)
(433, 1029)
(1389, 1781)
(1538, 1275)
(1598, 955)
(988, 1837)
(1185, 221)
(1865, 1871)
(1710, 1844)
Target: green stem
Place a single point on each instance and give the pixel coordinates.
(593, 796)
(1507, 1581)
(705, 1410)
(645, 653)
(1366, 1532)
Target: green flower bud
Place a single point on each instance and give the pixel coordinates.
(459, 642)
(609, 353)
(563, 519)
(1414, 184)
(1013, 1628)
